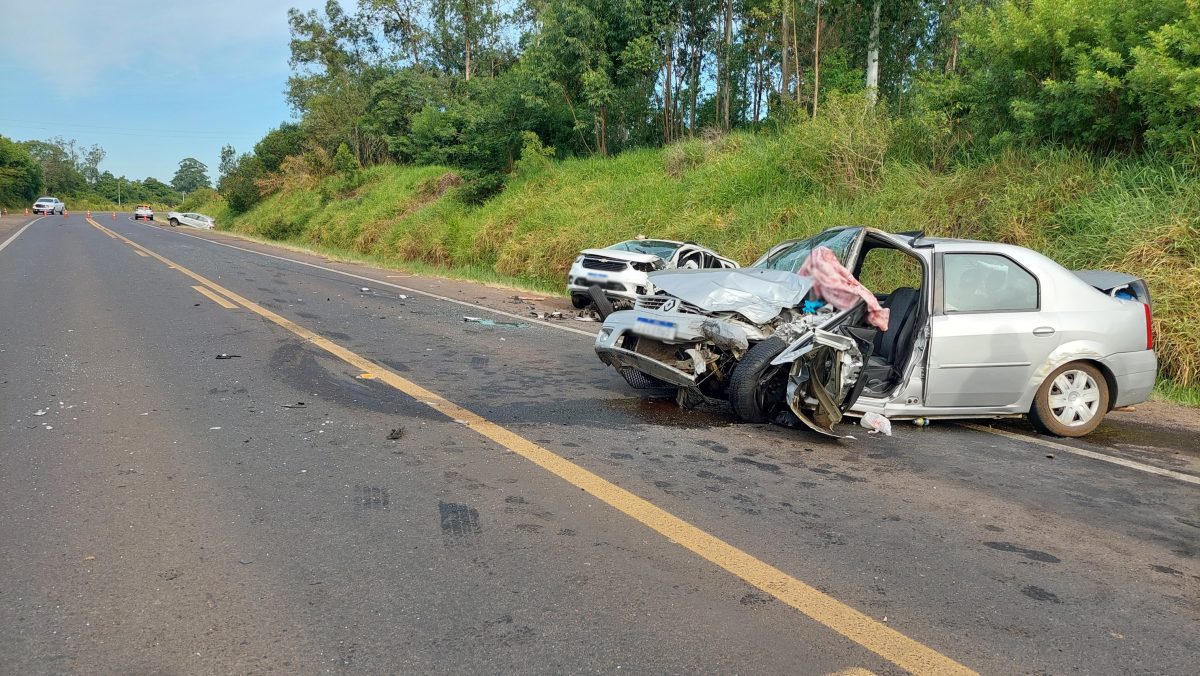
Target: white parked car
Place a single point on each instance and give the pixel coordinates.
(190, 218)
(143, 211)
(49, 205)
(622, 270)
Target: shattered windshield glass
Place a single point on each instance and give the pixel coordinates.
(789, 258)
(654, 247)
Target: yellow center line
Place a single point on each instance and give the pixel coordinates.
(880, 639)
(143, 255)
(213, 297)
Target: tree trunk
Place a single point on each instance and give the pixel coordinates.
(602, 143)
(873, 57)
(725, 124)
(816, 61)
(952, 62)
(694, 66)
(668, 121)
(785, 63)
(796, 58)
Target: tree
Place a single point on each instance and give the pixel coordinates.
(191, 174)
(20, 174)
(59, 160)
(228, 162)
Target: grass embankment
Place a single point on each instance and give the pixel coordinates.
(742, 193)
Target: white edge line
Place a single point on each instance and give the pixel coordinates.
(18, 233)
(378, 281)
(1151, 469)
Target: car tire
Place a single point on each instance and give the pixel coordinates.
(1071, 402)
(174, 222)
(752, 399)
(580, 301)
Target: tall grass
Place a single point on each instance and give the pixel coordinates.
(742, 193)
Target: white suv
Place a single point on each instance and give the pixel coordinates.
(49, 205)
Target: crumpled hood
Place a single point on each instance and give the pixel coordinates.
(758, 295)
(617, 254)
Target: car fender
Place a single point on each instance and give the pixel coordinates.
(1075, 350)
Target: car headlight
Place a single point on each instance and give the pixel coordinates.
(578, 258)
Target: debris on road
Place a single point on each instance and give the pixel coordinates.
(229, 356)
(396, 434)
(364, 289)
(876, 423)
(492, 322)
(214, 428)
(921, 422)
(298, 404)
(366, 376)
(40, 412)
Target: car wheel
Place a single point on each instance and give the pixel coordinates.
(757, 389)
(580, 301)
(1072, 401)
(174, 222)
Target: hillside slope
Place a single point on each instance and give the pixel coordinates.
(742, 193)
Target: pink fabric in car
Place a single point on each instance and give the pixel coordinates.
(836, 286)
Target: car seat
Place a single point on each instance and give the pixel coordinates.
(891, 347)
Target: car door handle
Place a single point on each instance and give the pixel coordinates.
(1043, 331)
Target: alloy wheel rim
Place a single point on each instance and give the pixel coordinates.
(1074, 398)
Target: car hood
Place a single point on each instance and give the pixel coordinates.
(618, 255)
(758, 295)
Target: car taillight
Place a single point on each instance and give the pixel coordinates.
(1149, 328)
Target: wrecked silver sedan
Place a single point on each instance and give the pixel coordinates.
(973, 329)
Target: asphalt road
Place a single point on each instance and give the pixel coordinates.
(172, 512)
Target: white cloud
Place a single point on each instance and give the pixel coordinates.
(85, 46)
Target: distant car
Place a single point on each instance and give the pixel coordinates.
(621, 269)
(190, 218)
(49, 205)
(143, 211)
(974, 330)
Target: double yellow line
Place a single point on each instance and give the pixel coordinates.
(880, 639)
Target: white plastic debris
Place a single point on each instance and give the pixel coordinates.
(365, 289)
(40, 412)
(403, 297)
(876, 423)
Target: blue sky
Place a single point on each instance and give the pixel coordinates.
(152, 82)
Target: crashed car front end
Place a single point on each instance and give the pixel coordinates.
(693, 333)
(674, 342)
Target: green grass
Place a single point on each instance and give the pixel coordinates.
(742, 193)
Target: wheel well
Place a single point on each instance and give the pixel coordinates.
(1109, 378)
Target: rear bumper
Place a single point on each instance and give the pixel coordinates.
(1134, 373)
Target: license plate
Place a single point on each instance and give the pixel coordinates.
(654, 328)
(597, 275)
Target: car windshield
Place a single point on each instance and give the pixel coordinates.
(791, 256)
(45, 199)
(654, 247)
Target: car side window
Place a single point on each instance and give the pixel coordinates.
(977, 282)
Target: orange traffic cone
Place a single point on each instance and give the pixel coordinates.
(114, 215)
(26, 211)
(89, 213)
(64, 213)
